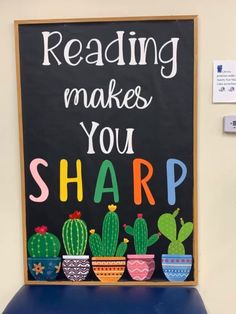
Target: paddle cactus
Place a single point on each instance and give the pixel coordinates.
(140, 233)
(168, 227)
(75, 234)
(107, 245)
(43, 243)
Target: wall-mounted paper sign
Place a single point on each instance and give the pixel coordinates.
(224, 81)
(107, 120)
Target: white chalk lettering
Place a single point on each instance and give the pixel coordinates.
(114, 98)
(126, 49)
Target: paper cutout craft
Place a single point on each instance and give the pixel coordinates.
(176, 264)
(141, 266)
(108, 261)
(44, 248)
(75, 264)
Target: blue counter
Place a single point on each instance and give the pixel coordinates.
(105, 300)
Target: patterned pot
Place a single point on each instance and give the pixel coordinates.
(141, 266)
(109, 269)
(76, 268)
(44, 268)
(176, 267)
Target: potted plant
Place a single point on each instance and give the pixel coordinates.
(141, 265)
(44, 248)
(108, 261)
(75, 236)
(176, 264)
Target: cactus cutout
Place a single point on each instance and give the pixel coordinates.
(75, 234)
(167, 226)
(95, 243)
(110, 231)
(43, 243)
(140, 233)
(122, 247)
(107, 244)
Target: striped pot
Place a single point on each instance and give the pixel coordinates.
(176, 267)
(141, 266)
(109, 269)
(76, 268)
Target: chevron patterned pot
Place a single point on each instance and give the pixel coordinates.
(176, 267)
(76, 268)
(109, 269)
(141, 266)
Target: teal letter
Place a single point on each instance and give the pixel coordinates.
(172, 183)
(100, 189)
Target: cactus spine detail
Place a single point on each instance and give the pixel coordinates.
(107, 244)
(75, 234)
(140, 234)
(43, 243)
(95, 243)
(122, 247)
(110, 231)
(167, 226)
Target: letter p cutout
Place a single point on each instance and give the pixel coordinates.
(172, 183)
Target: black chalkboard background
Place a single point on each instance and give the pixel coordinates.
(163, 130)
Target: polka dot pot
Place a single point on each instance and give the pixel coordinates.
(109, 269)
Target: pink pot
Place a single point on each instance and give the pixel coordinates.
(141, 266)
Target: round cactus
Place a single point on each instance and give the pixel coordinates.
(43, 243)
(75, 234)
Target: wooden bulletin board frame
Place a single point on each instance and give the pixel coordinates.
(21, 138)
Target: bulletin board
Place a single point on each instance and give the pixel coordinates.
(107, 115)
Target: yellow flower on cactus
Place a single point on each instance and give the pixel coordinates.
(58, 267)
(126, 240)
(38, 268)
(92, 231)
(112, 207)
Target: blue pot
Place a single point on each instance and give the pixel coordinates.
(176, 267)
(44, 268)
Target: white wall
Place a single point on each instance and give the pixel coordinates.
(216, 159)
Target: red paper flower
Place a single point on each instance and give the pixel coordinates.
(75, 215)
(41, 229)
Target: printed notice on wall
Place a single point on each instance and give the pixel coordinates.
(224, 81)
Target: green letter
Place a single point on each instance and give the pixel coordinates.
(100, 189)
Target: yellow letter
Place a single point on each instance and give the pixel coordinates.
(64, 180)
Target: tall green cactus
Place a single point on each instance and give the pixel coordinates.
(107, 244)
(75, 234)
(167, 226)
(110, 231)
(43, 243)
(140, 233)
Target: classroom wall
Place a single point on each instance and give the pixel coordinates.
(216, 159)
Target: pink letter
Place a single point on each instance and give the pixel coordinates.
(42, 185)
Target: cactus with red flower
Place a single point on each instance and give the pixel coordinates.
(140, 234)
(75, 234)
(43, 243)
